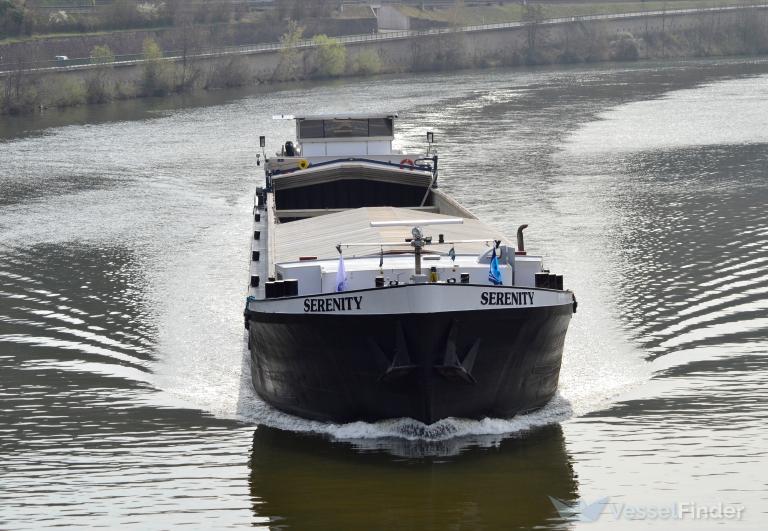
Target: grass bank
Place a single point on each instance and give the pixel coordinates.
(516, 12)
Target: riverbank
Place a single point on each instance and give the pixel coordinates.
(708, 33)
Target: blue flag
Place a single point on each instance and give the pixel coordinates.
(341, 275)
(494, 275)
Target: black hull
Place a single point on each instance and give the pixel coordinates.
(469, 364)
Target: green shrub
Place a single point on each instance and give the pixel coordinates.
(289, 66)
(157, 78)
(99, 88)
(66, 92)
(102, 55)
(99, 85)
(125, 90)
(330, 57)
(25, 99)
(366, 63)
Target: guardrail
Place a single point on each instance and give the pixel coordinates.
(175, 55)
(91, 6)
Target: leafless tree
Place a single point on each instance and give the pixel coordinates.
(533, 15)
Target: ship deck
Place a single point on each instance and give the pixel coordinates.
(318, 236)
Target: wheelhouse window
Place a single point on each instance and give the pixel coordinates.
(311, 129)
(380, 127)
(346, 128)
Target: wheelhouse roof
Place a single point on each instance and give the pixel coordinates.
(347, 116)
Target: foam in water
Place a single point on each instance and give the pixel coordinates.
(252, 409)
(457, 432)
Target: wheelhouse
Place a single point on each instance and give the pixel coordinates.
(343, 162)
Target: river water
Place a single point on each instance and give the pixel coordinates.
(123, 263)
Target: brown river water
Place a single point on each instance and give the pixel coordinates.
(125, 398)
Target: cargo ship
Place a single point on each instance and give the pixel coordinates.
(374, 294)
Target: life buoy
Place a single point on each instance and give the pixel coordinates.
(303, 164)
(406, 162)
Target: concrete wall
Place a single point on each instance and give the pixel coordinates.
(480, 45)
(390, 18)
(489, 43)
